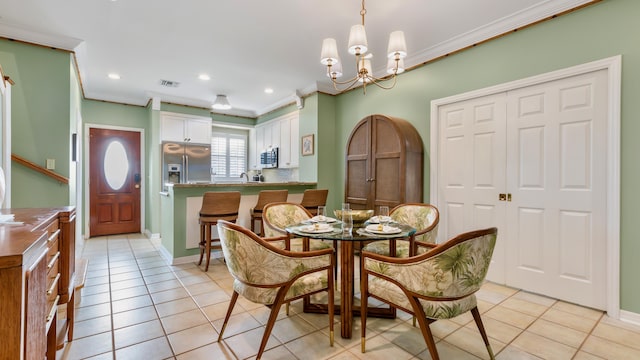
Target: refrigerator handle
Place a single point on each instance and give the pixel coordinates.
(186, 168)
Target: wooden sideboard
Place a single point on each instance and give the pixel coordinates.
(37, 267)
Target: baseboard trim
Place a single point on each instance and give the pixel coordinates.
(630, 317)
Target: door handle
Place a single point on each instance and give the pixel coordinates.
(502, 197)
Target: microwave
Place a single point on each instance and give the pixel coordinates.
(269, 158)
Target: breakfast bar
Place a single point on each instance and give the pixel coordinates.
(181, 203)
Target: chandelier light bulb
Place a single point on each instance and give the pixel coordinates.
(357, 40)
(329, 53)
(391, 66)
(397, 45)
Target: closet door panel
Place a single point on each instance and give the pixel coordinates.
(557, 169)
(472, 170)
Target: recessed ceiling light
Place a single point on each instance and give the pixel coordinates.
(114, 76)
(204, 77)
(268, 90)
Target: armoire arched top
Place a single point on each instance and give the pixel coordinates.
(384, 163)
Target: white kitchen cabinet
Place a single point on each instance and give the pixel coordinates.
(283, 133)
(289, 147)
(254, 151)
(184, 128)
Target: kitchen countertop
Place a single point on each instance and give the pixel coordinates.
(250, 183)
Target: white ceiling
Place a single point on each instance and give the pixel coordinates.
(247, 45)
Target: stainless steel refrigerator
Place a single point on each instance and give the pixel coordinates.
(186, 163)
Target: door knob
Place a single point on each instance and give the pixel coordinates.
(502, 197)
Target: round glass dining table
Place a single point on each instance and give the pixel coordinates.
(347, 264)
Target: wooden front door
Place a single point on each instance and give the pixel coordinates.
(114, 182)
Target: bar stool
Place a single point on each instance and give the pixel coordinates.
(216, 205)
(312, 198)
(265, 197)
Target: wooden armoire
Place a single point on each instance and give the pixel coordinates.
(384, 163)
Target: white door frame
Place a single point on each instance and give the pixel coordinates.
(87, 165)
(5, 151)
(613, 65)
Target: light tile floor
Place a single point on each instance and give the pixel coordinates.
(135, 306)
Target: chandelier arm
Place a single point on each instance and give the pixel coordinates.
(378, 82)
(351, 83)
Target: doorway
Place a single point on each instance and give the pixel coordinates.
(538, 159)
(115, 181)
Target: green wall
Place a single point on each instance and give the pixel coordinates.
(599, 31)
(40, 113)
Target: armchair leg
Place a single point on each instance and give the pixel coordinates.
(232, 303)
(423, 322)
(476, 316)
(273, 316)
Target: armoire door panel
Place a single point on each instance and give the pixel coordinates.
(386, 139)
(387, 191)
(357, 174)
(384, 163)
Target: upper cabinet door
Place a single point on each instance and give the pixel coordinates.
(181, 128)
(198, 131)
(172, 129)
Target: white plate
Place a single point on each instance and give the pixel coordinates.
(326, 219)
(312, 229)
(314, 220)
(376, 219)
(386, 230)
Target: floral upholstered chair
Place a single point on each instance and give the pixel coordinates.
(277, 216)
(423, 217)
(439, 284)
(271, 276)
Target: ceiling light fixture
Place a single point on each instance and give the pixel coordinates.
(221, 103)
(396, 52)
(114, 76)
(204, 77)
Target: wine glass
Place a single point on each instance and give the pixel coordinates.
(347, 220)
(383, 215)
(322, 214)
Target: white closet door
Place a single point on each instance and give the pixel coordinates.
(472, 171)
(556, 174)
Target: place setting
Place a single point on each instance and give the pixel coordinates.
(380, 224)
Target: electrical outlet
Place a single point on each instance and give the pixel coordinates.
(51, 164)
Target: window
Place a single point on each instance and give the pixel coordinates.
(228, 154)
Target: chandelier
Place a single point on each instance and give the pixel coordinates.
(396, 52)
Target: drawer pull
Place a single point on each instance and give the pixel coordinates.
(53, 261)
(54, 236)
(54, 286)
(54, 309)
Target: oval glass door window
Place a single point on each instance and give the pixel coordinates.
(116, 165)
